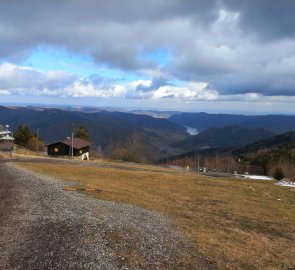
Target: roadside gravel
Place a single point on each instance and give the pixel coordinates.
(45, 227)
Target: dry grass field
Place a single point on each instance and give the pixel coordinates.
(236, 224)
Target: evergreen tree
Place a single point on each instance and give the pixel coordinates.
(82, 133)
(278, 174)
(23, 135)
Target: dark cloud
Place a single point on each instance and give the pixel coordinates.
(268, 19)
(237, 47)
(254, 83)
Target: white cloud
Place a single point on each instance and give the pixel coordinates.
(24, 81)
(195, 91)
(4, 92)
(137, 83)
(28, 81)
(80, 89)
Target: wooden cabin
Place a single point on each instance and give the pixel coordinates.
(64, 148)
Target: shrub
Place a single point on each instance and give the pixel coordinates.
(278, 174)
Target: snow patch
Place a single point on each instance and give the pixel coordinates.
(286, 184)
(254, 177)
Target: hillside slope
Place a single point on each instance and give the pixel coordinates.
(272, 153)
(286, 140)
(225, 137)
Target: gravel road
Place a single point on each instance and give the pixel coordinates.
(45, 227)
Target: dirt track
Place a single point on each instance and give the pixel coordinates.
(45, 227)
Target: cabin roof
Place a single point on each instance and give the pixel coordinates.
(78, 143)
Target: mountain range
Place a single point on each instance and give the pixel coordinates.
(202, 121)
(219, 133)
(104, 127)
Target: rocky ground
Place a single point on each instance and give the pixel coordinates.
(46, 227)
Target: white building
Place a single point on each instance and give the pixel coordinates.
(5, 134)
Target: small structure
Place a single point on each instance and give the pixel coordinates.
(6, 146)
(5, 134)
(64, 148)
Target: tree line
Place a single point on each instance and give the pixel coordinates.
(25, 137)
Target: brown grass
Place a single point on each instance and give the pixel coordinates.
(237, 224)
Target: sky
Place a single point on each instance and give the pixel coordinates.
(182, 55)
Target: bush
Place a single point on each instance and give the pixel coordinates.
(278, 174)
(135, 149)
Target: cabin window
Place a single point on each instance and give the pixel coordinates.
(80, 151)
(56, 149)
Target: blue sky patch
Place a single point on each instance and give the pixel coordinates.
(160, 56)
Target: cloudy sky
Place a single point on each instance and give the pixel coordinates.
(189, 55)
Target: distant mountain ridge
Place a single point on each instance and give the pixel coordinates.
(225, 137)
(104, 126)
(202, 121)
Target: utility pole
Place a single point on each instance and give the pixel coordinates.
(37, 140)
(73, 140)
(198, 164)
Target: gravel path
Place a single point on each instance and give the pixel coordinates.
(45, 227)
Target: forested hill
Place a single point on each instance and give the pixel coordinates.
(104, 127)
(286, 140)
(271, 154)
(264, 156)
(202, 121)
(225, 137)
